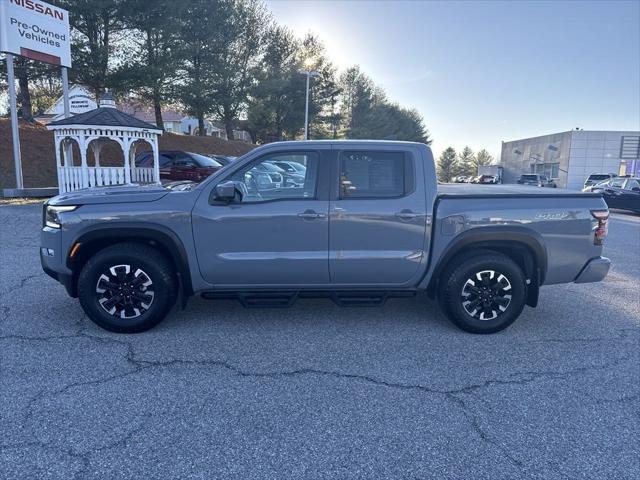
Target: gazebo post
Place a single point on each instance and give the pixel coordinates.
(96, 146)
(83, 162)
(67, 151)
(56, 142)
(156, 159)
(127, 164)
(132, 163)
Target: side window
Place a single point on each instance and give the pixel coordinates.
(264, 180)
(618, 182)
(165, 161)
(631, 184)
(182, 160)
(376, 174)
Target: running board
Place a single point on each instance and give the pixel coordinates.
(281, 299)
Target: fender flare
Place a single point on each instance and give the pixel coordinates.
(116, 232)
(495, 236)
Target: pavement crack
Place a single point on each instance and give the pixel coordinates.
(21, 284)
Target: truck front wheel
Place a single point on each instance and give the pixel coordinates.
(127, 288)
(483, 293)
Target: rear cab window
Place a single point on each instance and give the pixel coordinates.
(375, 174)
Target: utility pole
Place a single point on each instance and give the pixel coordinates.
(308, 74)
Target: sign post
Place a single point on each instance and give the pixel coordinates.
(17, 158)
(65, 92)
(39, 31)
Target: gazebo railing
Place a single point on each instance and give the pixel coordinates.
(71, 177)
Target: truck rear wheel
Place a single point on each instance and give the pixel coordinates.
(127, 288)
(483, 293)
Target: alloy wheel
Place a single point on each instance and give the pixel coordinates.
(124, 293)
(486, 295)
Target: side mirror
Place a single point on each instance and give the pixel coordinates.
(227, 192)
(635, 189)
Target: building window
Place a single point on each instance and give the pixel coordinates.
(551, 170)
(630, 148)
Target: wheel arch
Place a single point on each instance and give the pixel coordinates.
(524, 246)
(91, 241)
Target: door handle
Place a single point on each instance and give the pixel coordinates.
(310, 215)
(407, 215)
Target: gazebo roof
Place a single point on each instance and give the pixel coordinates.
(104, 116)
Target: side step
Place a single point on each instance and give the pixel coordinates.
(281, 299)
(257, 299)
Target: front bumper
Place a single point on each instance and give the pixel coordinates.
(52, 259)
(594, 271)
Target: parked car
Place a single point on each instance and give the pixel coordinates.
(363, 227)
(291, 167)
(460, 179)
(179, 165)
(536, 180)
(265, 176)
(290, 179)
(620, 192)
(488, 179)
(595, 178)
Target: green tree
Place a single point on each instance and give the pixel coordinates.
(483, 158)
(367, 113)
(447, 164)
(323, 90)
(236, 62)
(203, 33)
(276, 101)
(154, 37)
(466, 163)
(96, 33)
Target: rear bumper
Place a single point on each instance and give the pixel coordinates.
(594, 271)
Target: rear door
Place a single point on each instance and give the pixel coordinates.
(378, 217)
(612, 193)
(630, 195)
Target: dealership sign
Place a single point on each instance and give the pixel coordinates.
(35, 30)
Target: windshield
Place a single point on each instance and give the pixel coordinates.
(599, 177)
(270, 167)
(203, 161)
(529, 177)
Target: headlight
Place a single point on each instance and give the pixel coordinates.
(52, 215)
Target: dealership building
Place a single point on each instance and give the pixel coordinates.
(570, 157)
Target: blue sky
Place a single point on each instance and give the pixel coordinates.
(485, 71)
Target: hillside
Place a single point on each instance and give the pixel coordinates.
(39, 161)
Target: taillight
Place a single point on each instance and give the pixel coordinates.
(602, 227)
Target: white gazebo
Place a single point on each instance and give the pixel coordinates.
(91, 130)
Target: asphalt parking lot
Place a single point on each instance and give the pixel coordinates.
(316, 391)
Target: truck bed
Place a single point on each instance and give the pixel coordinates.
(512, 190)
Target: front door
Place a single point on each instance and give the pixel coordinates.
(378, 218)
(277, 235)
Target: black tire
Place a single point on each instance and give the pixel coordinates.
(466, 288)
(144, 304)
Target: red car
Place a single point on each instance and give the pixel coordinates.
(177, 165)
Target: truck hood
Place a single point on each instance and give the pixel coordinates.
(113, 194)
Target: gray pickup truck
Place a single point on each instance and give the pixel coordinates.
(368, 222)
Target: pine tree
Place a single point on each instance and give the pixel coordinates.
(466, 161)
(483, 158)
(447, 164)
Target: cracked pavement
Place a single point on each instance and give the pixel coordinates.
(316, 391)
